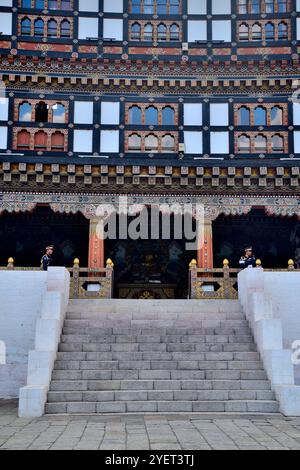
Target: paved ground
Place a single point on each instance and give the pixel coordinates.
(168, 432)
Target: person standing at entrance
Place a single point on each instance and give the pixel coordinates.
(47, 258)
(249, 259)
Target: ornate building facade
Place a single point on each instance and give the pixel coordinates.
(158, 100)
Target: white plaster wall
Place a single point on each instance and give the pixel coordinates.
(21, 294)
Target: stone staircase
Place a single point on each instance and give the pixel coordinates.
(158, 356)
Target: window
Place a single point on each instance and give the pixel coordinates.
(39, 27)
(193, 142)
(260, 116)
(136, 32)
(174, 32)
(219, 114)
(296, 114)
(168, 116)
(151, 143)
(168, 143)
(197, 31)
(89, 5)
(148, 32)
(260, 143)
(65, 29)
(197, 7)
(115, 6)
(221, 31)
(282, 31)
(23, 140)
(52, 29)
(110, 113)
(162, 32)
(136, 6)
(297, 142)
(244, 32)
(53, 4)
(256, 32)
(135, 115)
(162, 7)
(242, 7)
(244, 145)
(174, 7)
(221, 7)
(88, 28)
(25, 112)
(219, 143)
(41, 112)
(40, 141)
(269, 6)
(151, 116)
(277, 143)
(6, 23)
(57, 141)
(244, 116)
(83, 141)
(134, 142)
(113, 29)
(26, 27)
(109, 142)
(4, 109)
(3, 137)
(149, 7)
(255, 7)
(276, 116)
(193, 114)
(282, 6)
(59, 113)
(270, 32)
(83, 112)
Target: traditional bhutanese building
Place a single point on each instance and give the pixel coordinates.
(160, 101)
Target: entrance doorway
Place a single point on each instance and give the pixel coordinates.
(24, 236)
(275, 240)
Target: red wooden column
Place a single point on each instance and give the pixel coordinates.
(96, 246)
(205, 255)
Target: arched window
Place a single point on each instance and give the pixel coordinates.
(151, 116)
(26, 27)
(174, 32)
(255, 7)
(25, 112)
(256, 32)
(151, 143)
(134, 142)
(244, 145)
(59, 113)
(260, 143)
(242, 7)
(276, 116)
(162, 32)
(23, 140)
(40, 4)
(149, 7)
(270, 32)
(282, 31)
(260, 116)
(39, 27)
(41, 112)
(52, 29)
(40, 140)
(148, 32)
(135, 115)
(244, 32)
(244, 116)
(277, 143)
(161, 7)
(168, 116)
(269, 6)
(136, 7)
(136, 32)
(65, 29)
(168, 143)
(57, 141)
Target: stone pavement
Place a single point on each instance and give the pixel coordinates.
(149, 432)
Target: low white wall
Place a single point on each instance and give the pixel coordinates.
(271, 302)
(21, 295)
(32, 311)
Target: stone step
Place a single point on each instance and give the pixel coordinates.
(89, 319)
(152, 331)
(157, 347)
(111, 385)
(187, 323)
(158, 356)
(158, 365)
(198, 338)
(238, 406)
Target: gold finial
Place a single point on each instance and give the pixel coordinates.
(291, 264)
(10, 263)
(193, 264)
(226, 263)
(258, 263)
(109, 263)
(76, 262)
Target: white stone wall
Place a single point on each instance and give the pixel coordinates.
(21, 295)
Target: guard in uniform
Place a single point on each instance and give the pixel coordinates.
(249, 259)
(47, 258)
